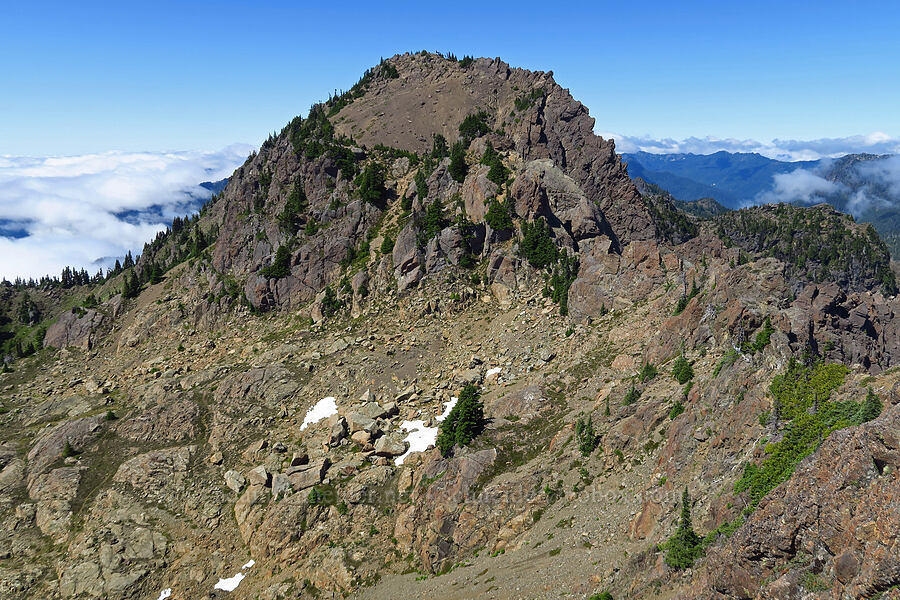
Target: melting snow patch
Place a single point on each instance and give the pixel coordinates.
(323, 409)
(422, 438)
(491, 372)
(166, 593)
(448, 406)
(229, 584)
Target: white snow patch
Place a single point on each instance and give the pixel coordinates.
(494, 371)
(323, 409)
(166, 593)
(422, 438)
(448, 406)
(229, 584)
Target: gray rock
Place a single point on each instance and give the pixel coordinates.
(389, 445)
(234, 480)
(281, 485)
(359, 422)
(259, 476)
(309, 475)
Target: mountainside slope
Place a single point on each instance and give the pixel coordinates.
(246, 405)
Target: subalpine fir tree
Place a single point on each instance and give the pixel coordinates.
(683, 548)
(458, 167)
(464, 422)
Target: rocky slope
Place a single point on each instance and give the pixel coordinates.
(169, 441)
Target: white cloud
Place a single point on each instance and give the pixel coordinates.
(79, 210)
(799, 185)
(789, 150)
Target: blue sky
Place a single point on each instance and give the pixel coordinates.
(83, 77)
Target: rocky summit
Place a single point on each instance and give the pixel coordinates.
(431, 340)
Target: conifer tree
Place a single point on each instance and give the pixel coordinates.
(458, 167)
(685, 546)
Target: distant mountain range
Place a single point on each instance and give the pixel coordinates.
(866, 186)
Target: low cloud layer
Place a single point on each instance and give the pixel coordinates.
(789, 150)
(858, 189)
(85, 211)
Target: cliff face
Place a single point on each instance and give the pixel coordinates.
(349, 272)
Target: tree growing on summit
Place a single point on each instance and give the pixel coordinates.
(464, 422)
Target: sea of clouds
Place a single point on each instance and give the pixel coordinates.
(86, 211)
(787, 150)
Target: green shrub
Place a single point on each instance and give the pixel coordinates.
(801, 397)
(312, 226)
(281, 265)
(68, 450)
(682, 370)
(631, 397)
(464, 422)
(587, 438)
(387, 245)
(647, 373)
(727, 360)
(601, 596)
(676, 410)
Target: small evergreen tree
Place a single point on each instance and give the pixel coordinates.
(498, 215)
(685, 546)
(587, 438)
(536, 245)
(434, 221)
(296, 204)
(439, 148)
(869, 409)
(464, 422)
(387, 245)
(682, 370)
(371, 183)
(281, 264)
(458, 167)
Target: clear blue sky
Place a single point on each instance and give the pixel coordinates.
(85, 76)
